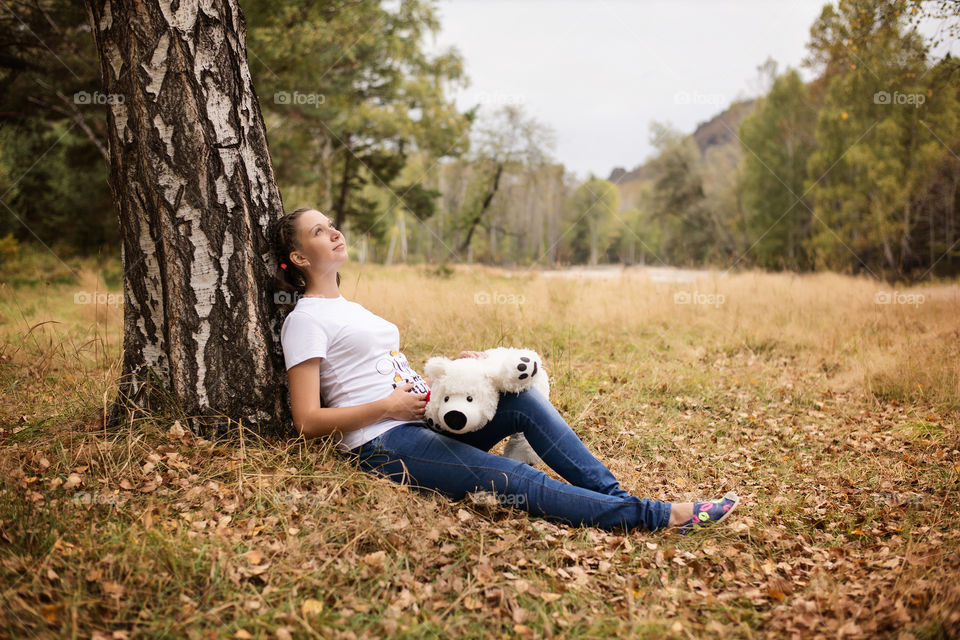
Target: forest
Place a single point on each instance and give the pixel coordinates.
(855, 171)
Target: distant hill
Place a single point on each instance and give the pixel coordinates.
(716, 132)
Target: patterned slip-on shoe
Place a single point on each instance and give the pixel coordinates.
(706, 513)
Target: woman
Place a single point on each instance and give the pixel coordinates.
(374, 403)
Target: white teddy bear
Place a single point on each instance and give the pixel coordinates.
(465, 392)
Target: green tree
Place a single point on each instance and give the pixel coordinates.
(596, 204)
(778, 137)
(882, 138)
(507, 138)
(690, 230)
(52, 128)
(349, 93)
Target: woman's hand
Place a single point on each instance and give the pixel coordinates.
(471, 354)
(403, 405)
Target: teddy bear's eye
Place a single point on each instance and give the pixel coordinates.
(469, 398)
(446, 399)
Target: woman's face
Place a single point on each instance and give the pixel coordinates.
(322, 247)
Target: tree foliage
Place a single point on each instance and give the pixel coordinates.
(350, 94)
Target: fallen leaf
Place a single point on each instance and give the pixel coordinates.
(112, 589)
(176, 430)
(51, 612)
(311, 607)
(375, 559)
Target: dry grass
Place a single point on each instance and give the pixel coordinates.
(834, 416)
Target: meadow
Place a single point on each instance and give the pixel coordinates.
(829, 402)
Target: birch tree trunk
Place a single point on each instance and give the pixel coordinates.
(194, 187)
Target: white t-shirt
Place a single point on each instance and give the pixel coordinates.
(360, 356)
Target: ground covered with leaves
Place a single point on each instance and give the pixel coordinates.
(833, 416)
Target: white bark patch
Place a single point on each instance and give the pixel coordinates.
(228, 156)
(106, 20)
(223, 194)
(225, 254)
(219, 105)
(152, 354)
(170, 183)
(165, 132)
(183, 18)
(120, 121)
(112, 53)
(255, 337)
(259, 416)
(203, 282)
(219, 108)
(157, 67)
(259, 187)
(209, 8)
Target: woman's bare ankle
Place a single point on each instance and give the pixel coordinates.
(680, 512)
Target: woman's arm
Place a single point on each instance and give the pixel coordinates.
(312, 420)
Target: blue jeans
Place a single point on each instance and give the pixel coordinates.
(455, 464)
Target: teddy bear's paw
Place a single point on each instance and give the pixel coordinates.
(528, 367)
(521, 371)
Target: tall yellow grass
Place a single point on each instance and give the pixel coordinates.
(894, 342)
(851, 334)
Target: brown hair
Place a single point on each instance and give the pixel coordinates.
(290, 283)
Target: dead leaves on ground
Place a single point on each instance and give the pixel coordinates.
(848, 530)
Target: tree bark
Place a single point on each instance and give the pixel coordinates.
(194, 187)
(341, 207)
(488, 197)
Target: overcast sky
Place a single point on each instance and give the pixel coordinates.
(599, 71)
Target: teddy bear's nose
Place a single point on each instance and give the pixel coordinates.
(455, 420)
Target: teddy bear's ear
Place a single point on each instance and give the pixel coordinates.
(436, 367)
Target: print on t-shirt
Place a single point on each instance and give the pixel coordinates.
(396, 365)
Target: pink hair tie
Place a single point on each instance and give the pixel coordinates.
(283, 265)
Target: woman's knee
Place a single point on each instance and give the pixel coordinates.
(523, 401)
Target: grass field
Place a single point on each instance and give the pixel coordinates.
(830, 403)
